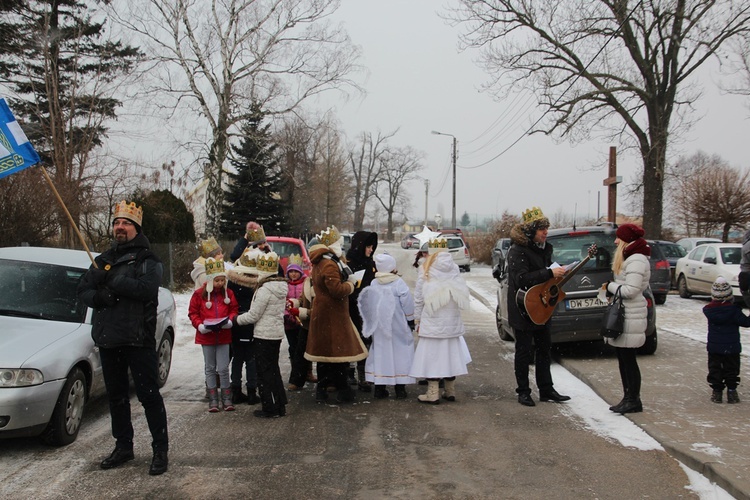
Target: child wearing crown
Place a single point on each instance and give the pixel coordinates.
(267, 314)
(212, 311)
(439, 296)
(296, 336)
(207, 248)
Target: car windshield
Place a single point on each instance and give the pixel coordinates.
(573, 247)
(731, 255)
(42, 291)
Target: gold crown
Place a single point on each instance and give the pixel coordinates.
(255, 236)
(329, 237)
(124, 210)
(296, 260)
(268, 263)
(249, 257)
(208, 247)
(438, 242)
(214, 267)
(531, 215)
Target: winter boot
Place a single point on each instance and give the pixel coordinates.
(350, 379)
(252, 396)
(632, 405)
(346, 395)
(381, 392)
(362, 384)
(226, 399)
(717, 395)
(432, 396)
(321, 393)
(449, 393)
(311, 377)
(237, 395)
(401, 391)
(732, 396)
(213, 400)
(616, 408)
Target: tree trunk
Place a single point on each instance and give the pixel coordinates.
(654, 161)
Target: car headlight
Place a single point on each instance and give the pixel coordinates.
(19, 377)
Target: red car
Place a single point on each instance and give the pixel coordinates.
(284, 247)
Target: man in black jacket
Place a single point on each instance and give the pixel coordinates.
(123, 287)
(529, 261)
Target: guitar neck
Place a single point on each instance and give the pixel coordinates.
(570, 273)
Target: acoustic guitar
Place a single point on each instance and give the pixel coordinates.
(539, 301)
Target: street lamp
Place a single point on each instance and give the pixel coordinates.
(439, 221)
(455, 157)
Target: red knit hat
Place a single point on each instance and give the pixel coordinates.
(629, 232)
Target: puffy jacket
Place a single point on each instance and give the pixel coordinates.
(133, 277)
(528, 265)
(439, 297)
(199, 313)
(294, 291)
(632, 281)
(267, 309)
(724, 320)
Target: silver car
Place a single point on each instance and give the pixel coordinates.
(49, 366)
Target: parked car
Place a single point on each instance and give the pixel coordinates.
(690, 243)
(500, 250)
(285, 246)
(409, 241)
(49, 366)
(661, 278)
(579, 316)
(458, 250)
(672, 252)
(697, 271)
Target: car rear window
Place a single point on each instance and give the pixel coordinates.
(673, 251)
(455, 243)
(573, 247)
(731, 255)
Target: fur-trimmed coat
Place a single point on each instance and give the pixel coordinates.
(267, 309)
(332, 336)
(528, 265)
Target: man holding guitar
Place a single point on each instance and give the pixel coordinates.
(529, 264)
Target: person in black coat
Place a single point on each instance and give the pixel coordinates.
(529, 261)
(359, 257)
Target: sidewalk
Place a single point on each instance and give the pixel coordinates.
(713, 439)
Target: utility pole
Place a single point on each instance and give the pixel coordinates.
(455, 157)
(612, 181)
(426, 194)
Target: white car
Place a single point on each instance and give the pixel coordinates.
(49, 366)
(690, 243)
(697, 271)
(458, 250)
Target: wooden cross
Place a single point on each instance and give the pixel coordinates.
(612, 181)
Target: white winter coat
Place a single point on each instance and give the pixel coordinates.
(267, 310)
(439, 298)
(632, 281)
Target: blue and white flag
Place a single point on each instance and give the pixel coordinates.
(16, 152)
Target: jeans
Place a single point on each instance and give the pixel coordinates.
(539, 341)
(143, 364)
(216, 361)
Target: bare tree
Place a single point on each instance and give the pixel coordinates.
(365, 163)
(216, 57)
(713, 196)
(609, 65)
(398, 166)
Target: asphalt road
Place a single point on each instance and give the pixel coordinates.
(485, 445)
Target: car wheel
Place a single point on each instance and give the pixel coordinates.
(682, 287)
(467, 267)
(66, 418)
(650, 346)
(660, 299)
(164, 354)
(500, 330)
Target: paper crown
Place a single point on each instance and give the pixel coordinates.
(209, 247)
(295, 260)
(214, 268)
(329, 237)
(437, 244)
(124, 210)
(533, 214)
(256, 236)
(268, 263)
(249, 257)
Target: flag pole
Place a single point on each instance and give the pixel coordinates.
(70, 217)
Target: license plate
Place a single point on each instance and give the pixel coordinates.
(584, 303)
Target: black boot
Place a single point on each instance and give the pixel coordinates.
(616, 408)
(321, 393)
(632, 405)
(350, 378)
(400, 391)
(381, 392)
(362, 384)
(252, 396)
(237, 395)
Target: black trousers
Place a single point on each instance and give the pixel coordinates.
(533, 344)
(270, 385)
(297, 339)
(143, 363)
(333, 374)
(243, 354)
(723, 370)
(630, 374)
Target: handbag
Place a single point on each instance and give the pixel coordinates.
(613, 321)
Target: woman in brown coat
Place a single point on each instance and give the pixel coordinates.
(333, 341)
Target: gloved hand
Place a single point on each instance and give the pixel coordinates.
(292, 303)
(294, 311)
(202, 328)
(104, 298)
(227, 325)
(98, 276)
(411, 324)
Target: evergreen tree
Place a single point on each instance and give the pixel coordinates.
(60, 67)
(254, 190)
(166, 218)
(465, 220)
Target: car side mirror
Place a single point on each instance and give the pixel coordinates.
(710, 260)
(497, 272)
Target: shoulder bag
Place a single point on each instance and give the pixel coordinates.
(613, 321)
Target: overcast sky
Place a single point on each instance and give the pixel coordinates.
(418, 82)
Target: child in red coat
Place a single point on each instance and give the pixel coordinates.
(212, 311)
